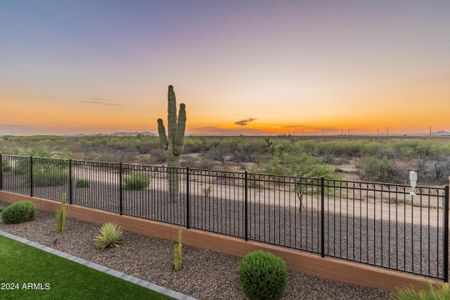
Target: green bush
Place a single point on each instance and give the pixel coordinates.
(50, 175)
(287, 163)
(110, 235)
(22, 166)
(136, 181)
(83, 183)
(18, 212)
(432, 293)
(6, 166)
(376, 169)
(262, 276)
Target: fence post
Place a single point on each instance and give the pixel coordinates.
(1, 171)
(31, 177)
(246, 204)
(188, 200)
(120, 189)
(70, 182)
(446, 200)
(322, 217)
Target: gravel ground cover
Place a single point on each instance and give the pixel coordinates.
(206, 275)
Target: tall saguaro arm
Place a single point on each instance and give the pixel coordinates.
(178, 142)
(162, 134)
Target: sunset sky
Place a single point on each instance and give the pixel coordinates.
(249, 67)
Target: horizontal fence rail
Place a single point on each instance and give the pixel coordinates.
(378, 224)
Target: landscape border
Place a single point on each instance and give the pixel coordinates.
(101, 268)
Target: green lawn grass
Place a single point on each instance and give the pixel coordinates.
(20, 263)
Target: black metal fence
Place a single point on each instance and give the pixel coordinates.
(379, 224)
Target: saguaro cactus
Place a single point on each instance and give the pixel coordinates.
(173, 141)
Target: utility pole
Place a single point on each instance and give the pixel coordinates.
(387, 131)
(430, 131)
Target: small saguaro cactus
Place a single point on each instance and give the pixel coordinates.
(173, 141)
(178, 252)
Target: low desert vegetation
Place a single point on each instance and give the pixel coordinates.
(83, 183)
(263, 276)
(109, 236)
(50, 175)
(18, 212)
(207, 191)
(6, 166)
(136, 181)
(349, 158)
(377, 169)
(432, 293)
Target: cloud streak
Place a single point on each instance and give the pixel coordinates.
(100, 101)
(244, 122)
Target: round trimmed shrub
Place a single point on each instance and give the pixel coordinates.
(262, 276)
(18, 212)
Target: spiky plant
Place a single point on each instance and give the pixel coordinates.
(432, 293)
(61, 216)
(173, 141)
(178, 252)
(110, 235)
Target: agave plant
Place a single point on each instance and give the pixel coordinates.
(110, 235)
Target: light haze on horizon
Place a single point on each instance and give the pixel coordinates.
(247, 67)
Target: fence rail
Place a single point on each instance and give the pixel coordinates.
(379, 224)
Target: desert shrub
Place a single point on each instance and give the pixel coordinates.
(217, 153)
(293, 164)
(207, 191)
(6, 166)
(262, 276)
(22, 166)
(432, 293)
(83, 183)
(110, 235)
(50, 175)
(136, 181)
(375, 169)
(178, 252)
(18, 212)
(158, 156)
(242, 156)
(61, 216)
